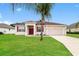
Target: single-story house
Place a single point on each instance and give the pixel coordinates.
(34, 28)
(6, 29)
(73, 27)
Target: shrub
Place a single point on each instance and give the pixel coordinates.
(1, 32)
(72, 32)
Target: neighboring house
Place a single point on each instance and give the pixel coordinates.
(73, 27)
(34, 28)
(6, 29)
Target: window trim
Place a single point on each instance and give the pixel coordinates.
(20, 30)
(37, 28)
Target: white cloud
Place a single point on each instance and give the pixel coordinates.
(18, 9)
(5, 22)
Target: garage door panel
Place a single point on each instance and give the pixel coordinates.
(54, 30)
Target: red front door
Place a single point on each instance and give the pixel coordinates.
(31, 30)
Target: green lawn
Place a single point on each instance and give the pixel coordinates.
(73, 35)
(12, 45)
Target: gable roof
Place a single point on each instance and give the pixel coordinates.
(49, 23)
(39, 23)
(6, 26)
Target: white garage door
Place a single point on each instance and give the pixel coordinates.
(55, 30)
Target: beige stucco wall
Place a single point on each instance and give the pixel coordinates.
(53, 30)
(19, 33)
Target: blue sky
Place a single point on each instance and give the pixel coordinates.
(66, 13)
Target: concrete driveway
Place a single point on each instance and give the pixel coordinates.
(72, 44)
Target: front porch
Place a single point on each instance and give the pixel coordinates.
(30, 29)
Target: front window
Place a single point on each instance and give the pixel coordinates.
(20, 29)
(39, 29)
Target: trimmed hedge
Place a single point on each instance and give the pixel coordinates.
(1, 32)
(72, 32)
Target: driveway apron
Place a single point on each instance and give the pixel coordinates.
(72, 44)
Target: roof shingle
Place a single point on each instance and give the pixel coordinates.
(38, 23)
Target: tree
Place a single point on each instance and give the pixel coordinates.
(77, 24)
(41, 8)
